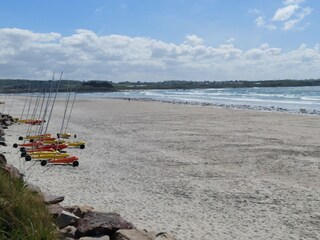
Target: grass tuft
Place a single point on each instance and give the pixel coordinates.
(23, 214)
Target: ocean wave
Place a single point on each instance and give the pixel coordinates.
(288, 97)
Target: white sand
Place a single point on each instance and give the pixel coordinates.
(197, 172)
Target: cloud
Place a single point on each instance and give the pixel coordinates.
(261, 22)
(253, 11)
(290, 24)
(85, 55)
(285, 13)
(286, 18)
(230, 40)
(293, 2)
(193, 40)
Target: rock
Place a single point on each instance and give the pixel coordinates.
(133, 234)
(79, 211)
(3, 160)
(12, 171)
(33, 188)
(164, 236)
(51, 199)
(3, 144)
(68, 232)
(65, 218)
(302, 110)
(9, 122)
(95, 238)
(97, 224)
(55, 210)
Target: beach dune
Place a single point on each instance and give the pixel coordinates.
(197, 172)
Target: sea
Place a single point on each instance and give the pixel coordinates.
(304, 100)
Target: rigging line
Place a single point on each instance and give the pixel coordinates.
(25, 101)
(47, 104)
(47, 169)
(13, 98)
(29, 106)
(65, 111)
(31, 165)
(54, 100)
(4, 102)
(33, 115)
(40, 111)
(32, 96)
(74, 98)
(35, 110)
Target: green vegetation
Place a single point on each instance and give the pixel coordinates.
(23, 214)
(214, 84)
(92, 86)
(20, 86)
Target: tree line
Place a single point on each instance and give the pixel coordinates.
(22, 85)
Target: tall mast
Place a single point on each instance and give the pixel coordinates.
(54, 100)
(74, 98)
(25, 101)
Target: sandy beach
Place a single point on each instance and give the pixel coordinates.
(197, 172)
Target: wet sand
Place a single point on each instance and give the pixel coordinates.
(197, 172)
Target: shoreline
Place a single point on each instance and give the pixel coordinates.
(192, 171)
(302, 111)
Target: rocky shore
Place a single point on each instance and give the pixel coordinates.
(79, 222)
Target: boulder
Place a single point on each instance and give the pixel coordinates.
(55, 210)
(12, 171)
(65, 219)
(164, 236)
(95, 238)
(79, 211)
(33, 188)
(97, 224)
(7, 123)
(51, 199)
(3, 160)
(68, 232)
(302, 110)
(133, 234)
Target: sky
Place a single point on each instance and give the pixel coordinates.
(160, 40)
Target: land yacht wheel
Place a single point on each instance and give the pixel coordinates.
(43, 162)
(75, 164)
